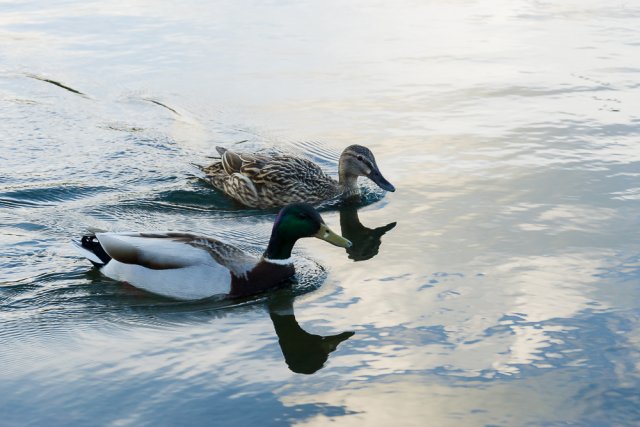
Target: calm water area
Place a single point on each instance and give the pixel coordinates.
(498, 286)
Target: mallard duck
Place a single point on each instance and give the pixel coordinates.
(188, 267)
(261, 181)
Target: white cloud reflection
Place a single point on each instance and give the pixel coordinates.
(469, 326)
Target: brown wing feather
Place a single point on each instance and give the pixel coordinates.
(264, 182)
(292, 179)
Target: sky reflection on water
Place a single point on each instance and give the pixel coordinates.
(496, 286)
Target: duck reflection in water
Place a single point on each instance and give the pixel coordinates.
(366, 241)
(304, 353)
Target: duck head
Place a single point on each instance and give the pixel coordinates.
(294, 222)
(356, 161)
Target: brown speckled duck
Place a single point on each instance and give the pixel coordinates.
(189, 267)
(261, 181)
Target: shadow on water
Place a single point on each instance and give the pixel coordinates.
(366, 241)
(304, 353)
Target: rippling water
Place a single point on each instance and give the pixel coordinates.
(498, 286)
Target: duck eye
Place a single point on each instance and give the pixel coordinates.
(303, 215)
(359, 157)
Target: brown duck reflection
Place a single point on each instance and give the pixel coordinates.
(304, 353)
(366, 241)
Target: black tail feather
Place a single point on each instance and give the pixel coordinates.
(90, 242)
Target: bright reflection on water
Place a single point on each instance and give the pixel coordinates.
(497, 286)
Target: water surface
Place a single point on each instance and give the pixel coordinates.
(497, 286)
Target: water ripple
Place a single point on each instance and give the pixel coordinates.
(50, 195)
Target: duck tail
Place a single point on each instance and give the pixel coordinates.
(90, 248)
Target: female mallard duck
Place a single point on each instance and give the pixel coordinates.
(261, 181)
(188, 267)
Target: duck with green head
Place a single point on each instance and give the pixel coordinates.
(186, 266)
(261, 181)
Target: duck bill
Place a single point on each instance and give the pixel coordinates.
(380, 180)
(326, 234)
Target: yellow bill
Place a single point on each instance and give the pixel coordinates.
(325, 233)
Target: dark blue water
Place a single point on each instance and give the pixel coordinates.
(500, 285)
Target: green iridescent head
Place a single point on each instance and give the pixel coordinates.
(295, 222)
